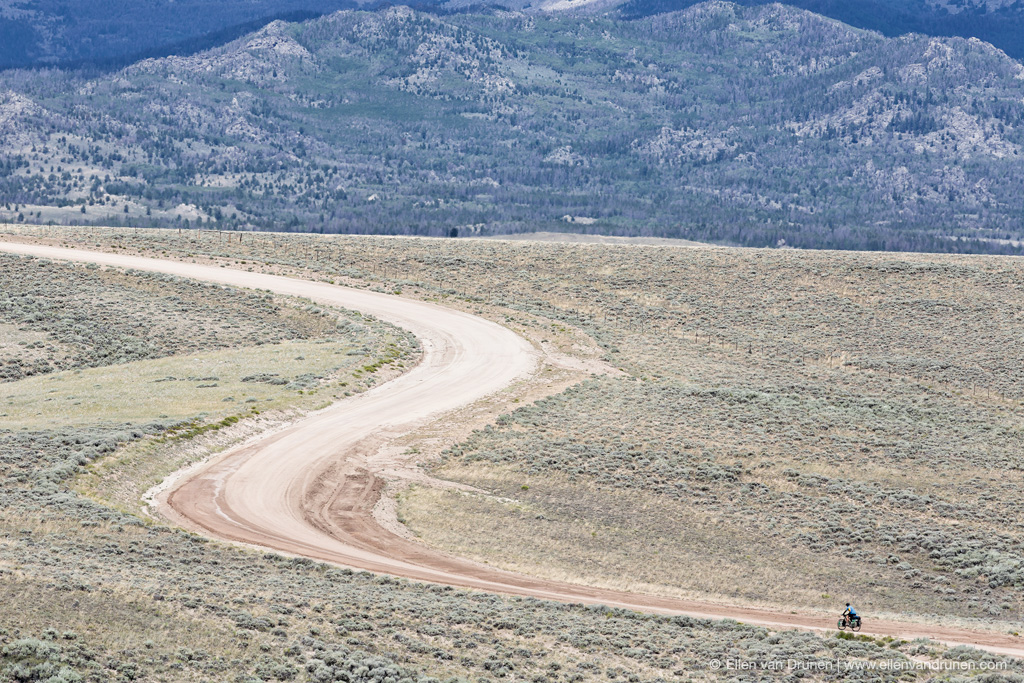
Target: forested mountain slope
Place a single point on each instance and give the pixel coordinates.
(80, 32)
(753, 126)
(1000, 22)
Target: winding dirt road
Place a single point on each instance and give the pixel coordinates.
(310, 489)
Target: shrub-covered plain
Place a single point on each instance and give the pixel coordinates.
(862, 411)
(57, 316)
(750, 415)
(89, 593)
(90, 346)
(940, 535)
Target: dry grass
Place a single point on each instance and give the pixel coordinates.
(637, 542)
(795, 429)
(114, 619)
(854, 406)
(117, 597)
(122, 478)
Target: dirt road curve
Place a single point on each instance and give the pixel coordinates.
(309, 489)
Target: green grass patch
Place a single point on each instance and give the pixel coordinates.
(216, 384)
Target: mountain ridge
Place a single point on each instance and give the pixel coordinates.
(49, 33)
(759, 126)
(60, 34)
(1000, 22)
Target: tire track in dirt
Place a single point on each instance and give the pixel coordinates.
(310, 488)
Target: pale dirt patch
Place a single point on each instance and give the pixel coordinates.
(29, 346)
(12, 335)
(571, 237)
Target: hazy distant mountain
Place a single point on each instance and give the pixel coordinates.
(46, 32)
(1000, 22)
(757, 126)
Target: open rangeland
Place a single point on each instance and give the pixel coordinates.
(706, 465)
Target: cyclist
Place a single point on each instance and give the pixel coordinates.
(850, 614)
